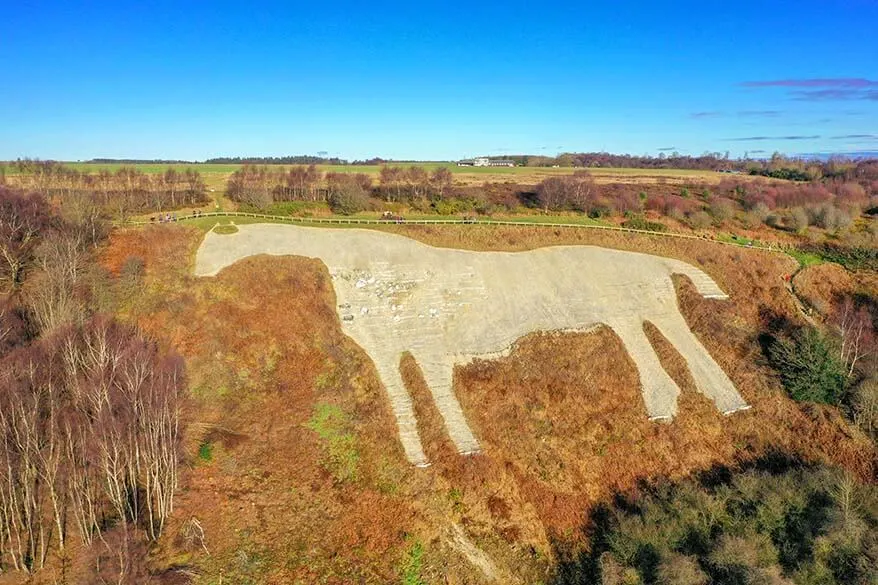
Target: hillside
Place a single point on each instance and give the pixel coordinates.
(294, 472)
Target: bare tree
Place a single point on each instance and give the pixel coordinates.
(90, 430)
(84, 214)
(195, 187)
(364, 181)
(865, 406)
(172, 179)
(25, 536)
(125, 191)
(13, 326)
(135, 395)
(253, 185)
(417, 181)
(854, 325)
(553, 194)
(581, 187)
(441, 181)
(391, 179)
(53, 295)
(23, 218)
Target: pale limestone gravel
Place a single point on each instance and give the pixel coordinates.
(460, 542)
(449, 306)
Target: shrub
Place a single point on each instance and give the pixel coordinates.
(828, 217)
(679, 569)
(852, 258)
(776, 523)
(340, 445)
(348, 197)
(699, 220)
(205, 452)
(721, 209)
(864, 406)
(641, 223)
(411, 566)
(599, 210)
(774, 220)
(797, 220)
(451, 206)
(808, 368)
(288, 207)
(131, 273)
(761, 210)
(225, 229)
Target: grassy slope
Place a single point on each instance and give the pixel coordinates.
(821, 285)
(561, 419)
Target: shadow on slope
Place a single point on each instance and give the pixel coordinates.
(776, 519)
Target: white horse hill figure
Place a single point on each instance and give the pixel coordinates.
(449, 306)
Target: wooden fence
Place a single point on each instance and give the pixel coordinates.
(362, 221)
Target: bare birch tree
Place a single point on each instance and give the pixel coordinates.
(857, 334)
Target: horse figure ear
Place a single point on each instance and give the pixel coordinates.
(704, 284)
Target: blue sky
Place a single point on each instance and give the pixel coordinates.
(428, 80)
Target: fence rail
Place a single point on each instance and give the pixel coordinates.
(362, 221)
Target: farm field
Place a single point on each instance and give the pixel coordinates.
(216, 175)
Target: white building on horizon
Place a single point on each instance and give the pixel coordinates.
(484, 161)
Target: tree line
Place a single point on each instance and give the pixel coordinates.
(830, 204)
(277, 160)
(90, 410)
(122, 192)
(262, 185)
(139, 161)
(777, 166)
